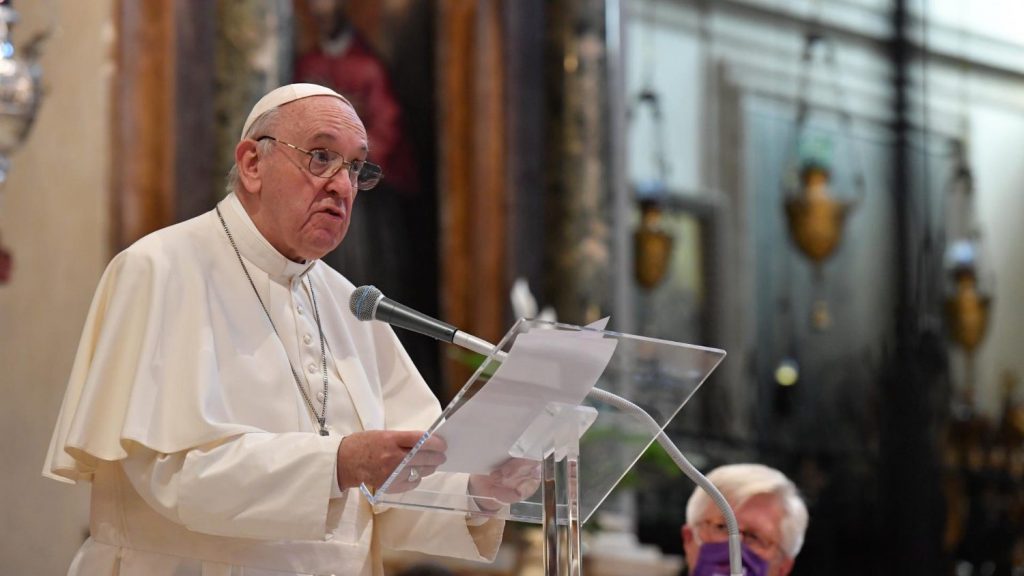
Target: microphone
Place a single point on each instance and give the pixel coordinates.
(369, 303)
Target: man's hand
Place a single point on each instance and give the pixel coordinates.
(370, 457)
(511, 482)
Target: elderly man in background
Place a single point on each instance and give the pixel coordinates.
(226, 405)
(772, 519)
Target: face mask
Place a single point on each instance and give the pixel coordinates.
(713, 560)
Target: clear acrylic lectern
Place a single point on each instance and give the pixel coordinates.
(528, 402)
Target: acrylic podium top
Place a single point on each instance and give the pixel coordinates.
(522, 404)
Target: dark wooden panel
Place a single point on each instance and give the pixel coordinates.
(527, 151)
(472, 170)
(144, 138)
(198, 183)
(487, 198)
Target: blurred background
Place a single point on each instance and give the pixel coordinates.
(830, 190)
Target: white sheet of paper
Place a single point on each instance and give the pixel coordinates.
(542, 366)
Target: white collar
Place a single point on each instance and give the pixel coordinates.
(254, 246)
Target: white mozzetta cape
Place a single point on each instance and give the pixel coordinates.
(183, 413)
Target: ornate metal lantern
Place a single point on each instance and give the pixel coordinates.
(967, 304)
(20, 88)
(968, 300)
(20, 95)
(652, 244)
(815, 214)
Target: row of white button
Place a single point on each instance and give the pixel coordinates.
(307, 339)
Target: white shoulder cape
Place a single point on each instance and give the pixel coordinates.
(176, 354)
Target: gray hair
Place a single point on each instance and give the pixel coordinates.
(740, 482)
(263, 123)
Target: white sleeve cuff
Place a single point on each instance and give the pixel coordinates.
(336, 491)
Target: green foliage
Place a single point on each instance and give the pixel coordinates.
(654, 462)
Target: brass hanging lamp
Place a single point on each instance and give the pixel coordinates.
(652, 243)
(968, 289)
(652, 246)
(815, 214)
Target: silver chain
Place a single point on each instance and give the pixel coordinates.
(322, 418)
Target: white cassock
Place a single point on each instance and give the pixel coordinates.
(203, 456)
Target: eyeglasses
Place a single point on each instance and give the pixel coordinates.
(761, 545)
(326, 163)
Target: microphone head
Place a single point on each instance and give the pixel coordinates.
(363, 302)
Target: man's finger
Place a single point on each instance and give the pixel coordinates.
(406, 438)
(426, 470)
(503, 494)
(435, 443)
(428, 458)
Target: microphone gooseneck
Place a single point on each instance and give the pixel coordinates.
(684, 465)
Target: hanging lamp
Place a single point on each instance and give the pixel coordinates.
(816, 214)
